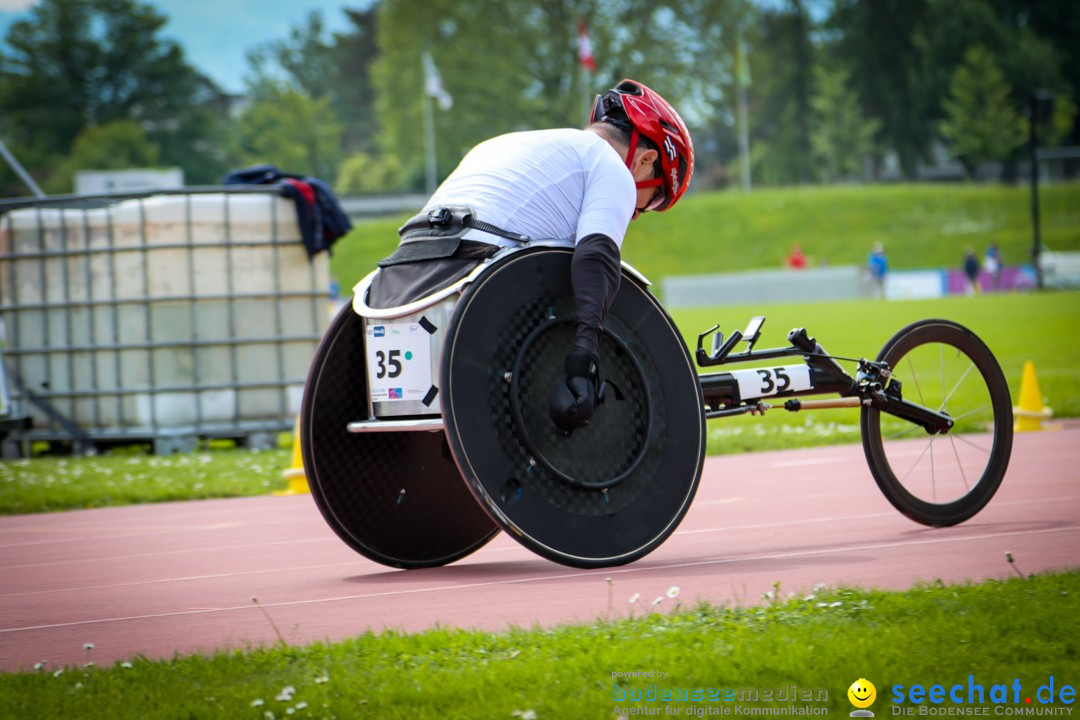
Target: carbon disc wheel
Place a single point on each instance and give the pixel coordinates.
(394, 497)
(610, 492)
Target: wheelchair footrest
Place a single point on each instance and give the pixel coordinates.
(411, 425)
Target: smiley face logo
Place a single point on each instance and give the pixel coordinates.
(862, 693)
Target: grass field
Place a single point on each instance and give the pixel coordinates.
(998, 632)
(921, 226)
(1043, 328)
(49, 484)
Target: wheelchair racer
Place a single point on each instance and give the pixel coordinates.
(563, 187)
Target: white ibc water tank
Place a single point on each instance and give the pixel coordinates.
(176, 314)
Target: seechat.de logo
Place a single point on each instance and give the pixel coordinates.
(862, 694)
(1007, 698)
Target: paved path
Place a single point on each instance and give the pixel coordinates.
(156, 580)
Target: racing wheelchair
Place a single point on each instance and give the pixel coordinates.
(425, 429)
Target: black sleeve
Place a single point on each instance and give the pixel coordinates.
(594, 273)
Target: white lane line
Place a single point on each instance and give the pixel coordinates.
(677, 533)
(869, 490)
(811, 461)
(330, 538)
(604, 572)
(162, 553)
(848, 518)
(129, 533)
(188, 578)
(761, 526)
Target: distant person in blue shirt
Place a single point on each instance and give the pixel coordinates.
(971, 270)
(878, 266)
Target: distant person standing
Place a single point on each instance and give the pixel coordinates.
(971, 270)
(992, 265)
(796, 259)
(878, 265)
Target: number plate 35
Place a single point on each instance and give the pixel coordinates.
(398, 361)
(764, 382)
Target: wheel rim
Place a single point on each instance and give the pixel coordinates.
(941, 469)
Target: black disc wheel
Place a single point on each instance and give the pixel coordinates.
(941, 479)
(607, 493)
(394, 497)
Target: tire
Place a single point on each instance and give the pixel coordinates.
(609, 493)
(944, 479)
(394, 497)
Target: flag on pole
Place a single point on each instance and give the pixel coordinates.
(585, 54)
(433, 84)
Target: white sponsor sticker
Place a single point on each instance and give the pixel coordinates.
(398, 361)
(764, 382)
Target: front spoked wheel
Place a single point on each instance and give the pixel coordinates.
(941, 479)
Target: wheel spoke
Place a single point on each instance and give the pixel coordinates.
(981, 408)
(955, 387)
(933, 477)
(917, 460)
(901, 433)
(915, 379)
(960, 465)
(964, 439)
(941, 363)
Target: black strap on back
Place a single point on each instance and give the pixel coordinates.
(449, 221)
(438, 234)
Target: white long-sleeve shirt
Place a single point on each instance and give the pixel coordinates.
(556, 186)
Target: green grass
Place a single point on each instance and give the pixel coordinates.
(63, 483)
(997, 631)
(921, 226)
(1043, 328)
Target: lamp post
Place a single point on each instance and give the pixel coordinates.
(1040, 109)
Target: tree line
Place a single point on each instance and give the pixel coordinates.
(824, 90)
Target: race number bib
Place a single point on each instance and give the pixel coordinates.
(398, 361)
(764, 382)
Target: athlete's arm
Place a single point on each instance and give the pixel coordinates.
(594, 274)
(606, 210)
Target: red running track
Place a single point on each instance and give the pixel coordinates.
(157, 580)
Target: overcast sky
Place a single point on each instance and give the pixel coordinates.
(216, 34)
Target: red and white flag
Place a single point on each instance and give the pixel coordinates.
(585, 48)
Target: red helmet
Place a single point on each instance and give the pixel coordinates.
(634, 107)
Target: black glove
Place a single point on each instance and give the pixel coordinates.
(574, 401)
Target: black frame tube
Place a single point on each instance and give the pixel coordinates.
(826, 377)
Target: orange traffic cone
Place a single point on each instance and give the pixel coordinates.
(1031, 412)
(298, 484)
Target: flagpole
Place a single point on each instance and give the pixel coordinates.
(742, 79)
(429, 141)
(587, 66)
(433, 89)
(583, 72)
(744, 139)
